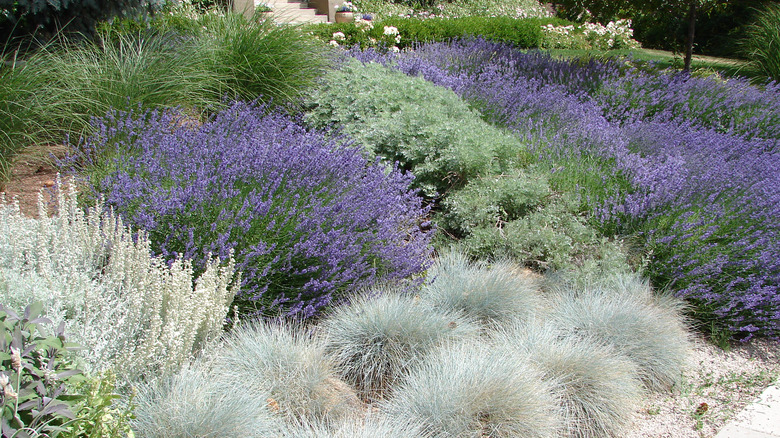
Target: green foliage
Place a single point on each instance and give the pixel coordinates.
(100, 412)
(46, 18)
(470, 389)
(491, 293)
(524, 33)
(35, 391)
(377, 338)
(429, 130)
(762, 41)
(454, 8)
(19, 122)
(623, 311)
(598, 388)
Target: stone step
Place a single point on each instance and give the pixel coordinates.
(285, 11)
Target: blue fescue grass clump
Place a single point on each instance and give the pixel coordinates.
(470, 389)
(684, 165)
(598, 388)
(379, 336)
(623, 312)
(490, 293)
(289, 367)
(192, 403)
(308, 218)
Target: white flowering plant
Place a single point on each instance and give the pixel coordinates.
(363, 33)
(615, 35)
(346, 7)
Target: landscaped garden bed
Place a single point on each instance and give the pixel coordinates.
(424, 229)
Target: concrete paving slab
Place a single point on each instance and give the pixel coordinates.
(760, 419)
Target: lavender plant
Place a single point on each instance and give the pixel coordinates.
(308, 219)
(681, 163)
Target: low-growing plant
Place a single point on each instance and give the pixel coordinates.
(623, 312)
(308, 218)
(455, 9)
(427, 129)
(36, 378)
(289, 368)
(132, 312)
(193, 403)
(371, 426)
(470, 389)
(615, 35)
(492, 293)
(380, 336)
(761, 43)
(599, 389)
(101, 413)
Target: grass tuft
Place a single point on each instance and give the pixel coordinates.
(471, 390)
(623, 312)
(379, 336)
(491, 293)
(598, 388)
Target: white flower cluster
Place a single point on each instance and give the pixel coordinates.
(615, 35)
(133, 312)
(392, 32)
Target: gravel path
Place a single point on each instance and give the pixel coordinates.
(716, 386)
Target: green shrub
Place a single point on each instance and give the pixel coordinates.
(761, 44)
(133, 312)
(598, 388)
(454, 8)
(429, 130)
(376, 339)
(523, 33)
(491, 293)
(622, 311)
(101, 414)
(470, 389)
(36, 378)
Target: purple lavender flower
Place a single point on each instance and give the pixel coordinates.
(309, 219)
(701, 156)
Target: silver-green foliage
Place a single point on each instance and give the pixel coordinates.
(193, 404)
(426, 128)
(133, 312)
(598, 388)
(623, 312)
(378, 337)
(371, 426)
(491, 293)
(288, 366)
(470, 389)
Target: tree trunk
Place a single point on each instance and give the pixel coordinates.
(689, 39)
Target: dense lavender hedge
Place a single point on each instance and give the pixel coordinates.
(701, 156)
(307, 217)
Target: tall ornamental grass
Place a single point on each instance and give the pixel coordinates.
(132, 312)
(308, 219)
(683, 165)
(761, 43)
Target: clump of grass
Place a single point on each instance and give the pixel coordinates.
(623, 312)
(287, 367)
(491, 293)
(470, 389)
(266, 61)
(193, 403)
(598, 388)
(380, 336)
(761, 44)
(371, 426)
